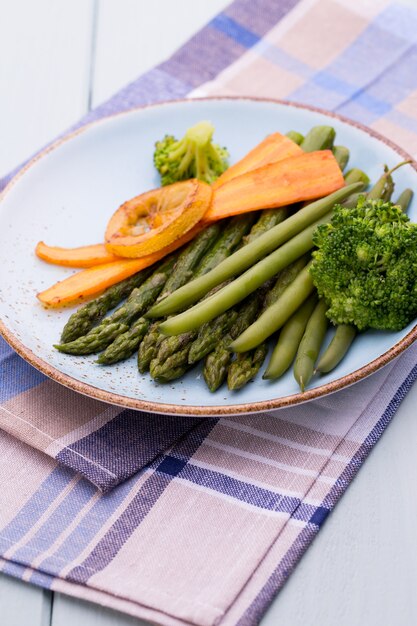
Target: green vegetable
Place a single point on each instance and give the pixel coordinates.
(310, 345)
(193, 156)
(125, 344)
(231, 236)
(93, 312)
(96, 340)
(247, 364)
(295, 136)
(356, 175)
(341, 154)
(188, 260)
(404, 199)
(318, 138)
(275, 316)
(289, 339)
(366, 266)
(217, 363)
(249, 254)
(245, 367)
(137, 303)
(337, 348)
(172, 368)
(209, 336)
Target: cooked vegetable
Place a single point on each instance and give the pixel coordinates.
(155, 219)
(137, 303)
(289, 339)
(125, 344)
(210, 334)
(275, 316)
(341, 154)
(295, 136)
(85, 256)
(337, 349)
(356, 175)
(404, 199)
(255, 250)
(95, 280)
(310, 345)
(96, 340)
(244, 285)
(384, 187)
(275, 147)
(193, 156)
(304, 177)
(93, 312)
(319, 138)
(247, 364)
(91, 281)
(232, 235)
(217, 363)
(366, 266)
(187, 261)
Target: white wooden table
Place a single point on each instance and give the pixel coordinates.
(57, 60)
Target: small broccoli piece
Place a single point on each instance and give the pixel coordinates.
(194, 156)
(365, 266)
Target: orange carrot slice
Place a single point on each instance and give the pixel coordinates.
(155, 219)
(84, 256)
(94, 280)
(305, 177)
(273, 148)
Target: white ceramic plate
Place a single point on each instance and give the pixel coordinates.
(66, 196)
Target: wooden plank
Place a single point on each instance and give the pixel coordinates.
(22, 604)
(135, 35)
(362, 567)
(45, 51)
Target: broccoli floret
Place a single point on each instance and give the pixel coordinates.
(365, 266)
(194, 156)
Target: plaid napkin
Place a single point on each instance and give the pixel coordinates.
(211, 515)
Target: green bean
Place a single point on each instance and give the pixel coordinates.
(337, 348)
(244, 285)
(310, 345)
(356, 176)
(341, 154)
(275, 316)
(404, 199)
(239, 261)
(384, 186)
(295, 136)
(289, 339)
(318, 138)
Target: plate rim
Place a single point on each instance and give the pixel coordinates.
(214, 410)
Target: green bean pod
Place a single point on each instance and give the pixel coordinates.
(319, 138)
(341, 154)
(404, 199)
(295, 136)
(356, 175)
(244, 258)
(275, 316)
(337, 348)
(289, 340)
(310, 345)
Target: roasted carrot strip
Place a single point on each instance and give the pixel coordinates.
(84, 256)
(273, 148)
(298, 178)
(93, 280)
